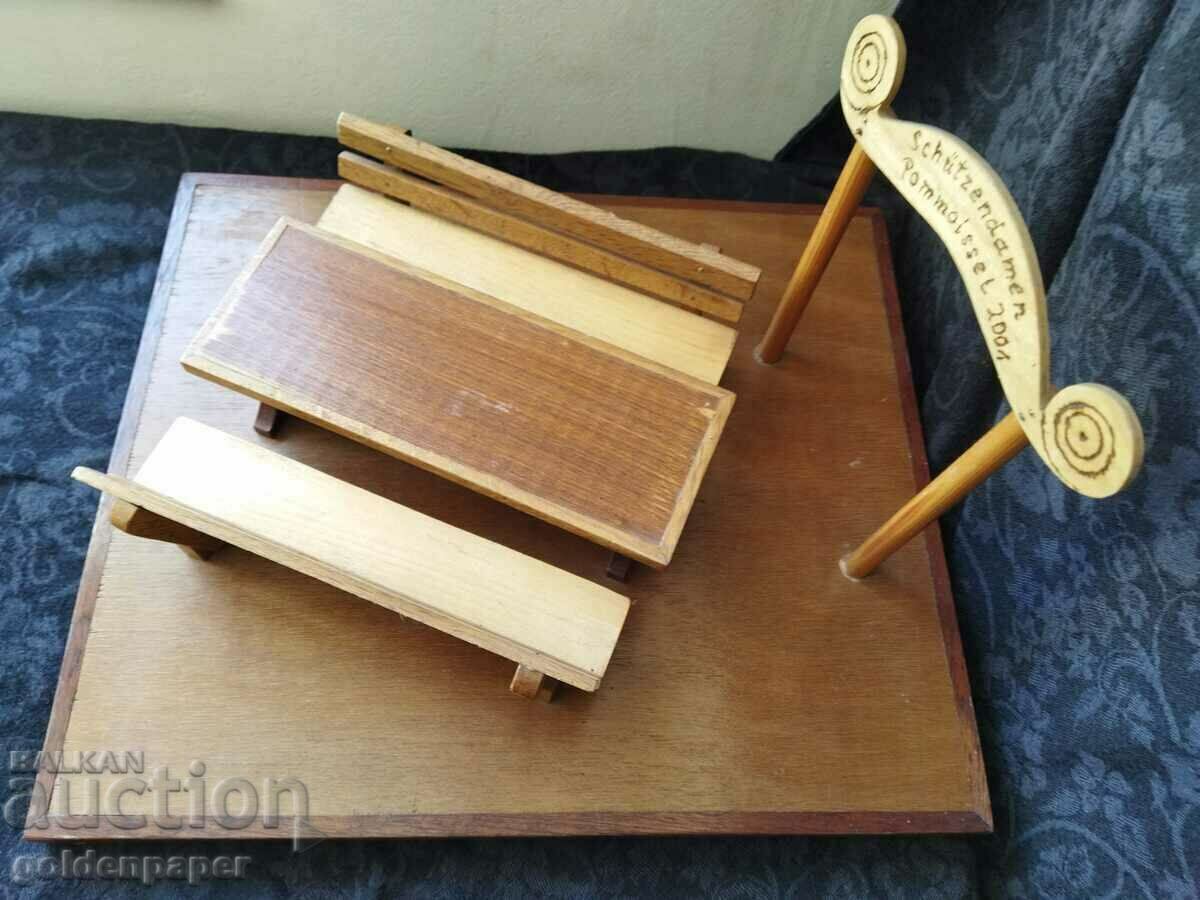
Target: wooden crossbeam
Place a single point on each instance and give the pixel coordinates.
(523, 198)
(456, 207)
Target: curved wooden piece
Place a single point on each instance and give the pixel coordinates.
(1087, 434)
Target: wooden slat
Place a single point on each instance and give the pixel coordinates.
(479, 591)
(596, 440)
(598, 308)
(507, 192)
(457, 207)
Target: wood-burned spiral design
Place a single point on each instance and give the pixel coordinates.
(1084, 437)
(869, 60)
(873, 64)
(1092, 438)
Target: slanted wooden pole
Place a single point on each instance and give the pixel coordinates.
(843, 202)
(985, 456)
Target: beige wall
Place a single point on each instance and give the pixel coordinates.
(531, 75)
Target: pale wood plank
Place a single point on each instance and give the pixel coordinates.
(586, 303)
(479, 591)
(461, 209)
(507, 192)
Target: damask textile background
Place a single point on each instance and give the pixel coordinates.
(1081, 619)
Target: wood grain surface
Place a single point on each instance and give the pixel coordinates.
(598, 308)
(631, 239)
(601, 442)
(479, 591)
(754, 688)
(452, 206)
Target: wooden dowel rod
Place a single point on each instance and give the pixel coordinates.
(985, 456)
(843, 203)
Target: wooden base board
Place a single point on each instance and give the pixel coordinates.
(755, 689)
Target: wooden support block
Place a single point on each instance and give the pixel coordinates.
(267, 420)
(585, 303)
(532, 684)
(461, 209)
(744, 698)
(142, 523)
(478, 591)
(582, 220)
(619, 567)
(605, 444)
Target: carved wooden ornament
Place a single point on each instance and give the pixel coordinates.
(1088, 434)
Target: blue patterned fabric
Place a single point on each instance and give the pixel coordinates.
(1081, 619)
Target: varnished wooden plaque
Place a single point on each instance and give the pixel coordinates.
(754, 690)
(597, 440)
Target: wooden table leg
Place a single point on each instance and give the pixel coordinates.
(843, 202)
(985, 456)
(533, 685)
(619, 567)
(267, 420)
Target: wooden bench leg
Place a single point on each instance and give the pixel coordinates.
(532, 684)
(619, 567)
(142, 523)
(267, 420)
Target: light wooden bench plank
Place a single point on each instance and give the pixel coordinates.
(459, 208)
(541, 617)
(586, 303)
(578, 432)
(653, 248)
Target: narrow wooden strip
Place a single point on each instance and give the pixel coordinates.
(515, 195)
(582, 302)
(469, 587)
(933, 536)
(456, 207)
